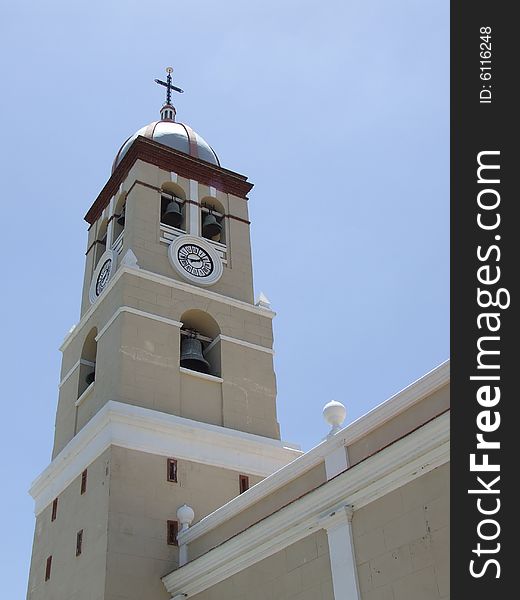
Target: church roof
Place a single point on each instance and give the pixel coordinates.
(178, 136)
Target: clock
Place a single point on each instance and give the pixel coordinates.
(195, 260)
(102, 274)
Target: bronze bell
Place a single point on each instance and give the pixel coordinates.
(173, 214)
(121, 218)
(90, 377)
(191, 355)
(210, 226)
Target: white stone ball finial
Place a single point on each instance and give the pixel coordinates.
(334, 413)
(185, 515)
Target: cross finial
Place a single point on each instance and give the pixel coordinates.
(168, 85)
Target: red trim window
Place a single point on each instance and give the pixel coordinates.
(243, 481)
(48, 566)
(84, 481)
(172, 529)
(54, 513)
(171, 472)
(79, 542)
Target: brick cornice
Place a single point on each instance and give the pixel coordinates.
(170, 160)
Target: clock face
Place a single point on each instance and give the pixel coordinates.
(195, 260)
(103, 277)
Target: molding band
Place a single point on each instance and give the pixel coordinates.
(187, 200)
(154, 432)
(139, 313)
(227, 338)
(81, 361)
(205, 376)
(162, 279)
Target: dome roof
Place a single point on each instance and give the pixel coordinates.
(174, 135)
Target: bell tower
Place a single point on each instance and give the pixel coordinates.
(167, 392)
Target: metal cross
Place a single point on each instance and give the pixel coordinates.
(168, 85)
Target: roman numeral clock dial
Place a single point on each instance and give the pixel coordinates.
(195, 260)
(102, 275)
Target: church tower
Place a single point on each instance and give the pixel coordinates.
(167, 391)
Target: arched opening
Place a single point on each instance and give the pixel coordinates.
(87, 363)
(173, 206)
(212, 220)
(119, 217)
(101, 242)
(200, 346)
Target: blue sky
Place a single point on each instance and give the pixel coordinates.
(337, 111)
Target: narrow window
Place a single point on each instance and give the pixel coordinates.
(79, 542)
(48, 568)
(244, 483)
(172, 531)
(172, 470)
(84, 481)
(54, 509)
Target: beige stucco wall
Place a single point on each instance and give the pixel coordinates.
(403, 423)
(258, 511)
(141, 502)
(138, 362)
(123, 515)
(401, 541)
(299, 572)
(73, 577)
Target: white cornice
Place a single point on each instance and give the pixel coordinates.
(200, 375)
(227, 338)
(86, 393)
(162, 279)
(148, 315)
(395, 466)
(398, 403)
(159, 433)
(140, 313)
(81, 361)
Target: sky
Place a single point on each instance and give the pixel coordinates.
(338, 113)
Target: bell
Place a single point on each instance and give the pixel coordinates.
(211, 227)
(191, 355)
(121, 219)
(90, 377)
(173, 214)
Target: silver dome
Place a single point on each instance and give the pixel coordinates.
(174, 135)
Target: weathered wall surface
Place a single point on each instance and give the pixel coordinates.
(402, 541)
(141, 503)
(300, 572)
(73, 577)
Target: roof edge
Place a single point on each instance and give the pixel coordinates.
(168, 159)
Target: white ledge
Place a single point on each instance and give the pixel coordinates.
(396, 465)
(398, 403)
(85, 394)
(81, 361)
(227, 338)
(139, 313)
(162, 279)
(146, 430)
(200, 375)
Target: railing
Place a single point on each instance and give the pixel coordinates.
(117, 246)
(169, 233)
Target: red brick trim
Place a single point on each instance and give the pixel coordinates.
(170, 160)
(157, 189)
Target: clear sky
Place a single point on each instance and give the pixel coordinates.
(337, 111)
